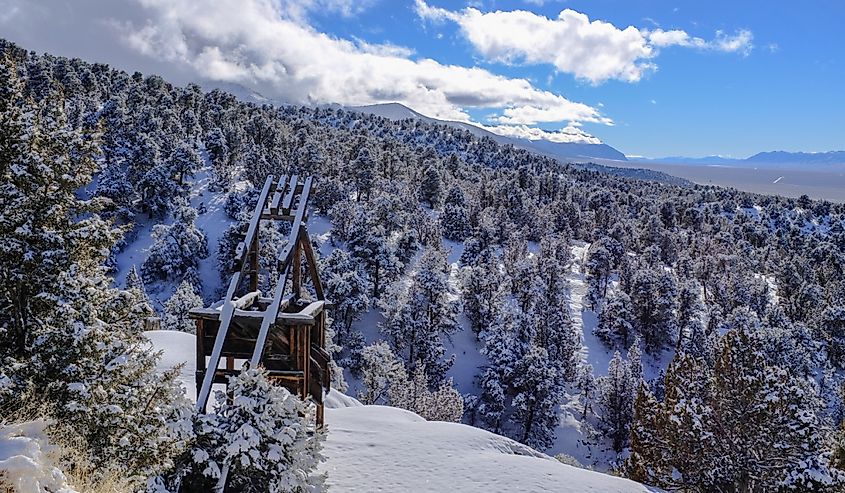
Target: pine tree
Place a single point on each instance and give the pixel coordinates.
(380, 369)
(420, 315)
(443, 404)
(379, 258)
(67, 336)
(183, 161)
(345, 283)
(616, 402)
(483, 287)
(177, 249)
(454, 220)
(538, 387)
(431, 188)
(259, 434)
(615, 321)
(177, 307)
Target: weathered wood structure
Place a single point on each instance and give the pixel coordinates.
(285, 332)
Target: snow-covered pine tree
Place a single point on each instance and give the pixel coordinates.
(454, 219)
(157, 190)
(380, 369)
(378, 256)
(260, 434)
(431, 188)
(419, 315)
(615, 400)
(184, 160)
(616, 321)
(483, 290)
(443, 404)
(177, 249)
(345, 283)
(67, 337)
(538, 388)
(113, 184)
(177, 307)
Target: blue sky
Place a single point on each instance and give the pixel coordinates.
(650, 78)
(787, 93)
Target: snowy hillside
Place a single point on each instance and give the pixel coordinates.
(385, 449)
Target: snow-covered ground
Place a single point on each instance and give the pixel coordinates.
(385, 449)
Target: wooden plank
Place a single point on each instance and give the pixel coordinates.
(288, 202)
(252, 230)
(311, 260)
(312, 310)
(277, 196)
(269, 317)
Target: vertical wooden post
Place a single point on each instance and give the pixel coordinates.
(306, 360)
(253, 258)
(296, 265)
(200, 370)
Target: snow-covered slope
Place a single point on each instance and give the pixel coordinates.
(385, 449)
(377, 448)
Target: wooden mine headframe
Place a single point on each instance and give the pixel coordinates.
(284, 333)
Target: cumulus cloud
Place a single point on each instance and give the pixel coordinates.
(568, 134)
(595, 50)
(268, 45)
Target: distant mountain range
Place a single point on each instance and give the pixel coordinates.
(774, 159)
(560, 150)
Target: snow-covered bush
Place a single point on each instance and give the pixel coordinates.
(261, 436)
(177, 249)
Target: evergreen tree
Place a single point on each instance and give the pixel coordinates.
(538, 387)
(615, 401)
(381, 369)
(378, 257)
(443, 404)
(177, 307)
(345, 283)
(616, 321)
(259, 434)
(454, 220)
(183, 161)
(420, 315)
(431, 188)
(177, 249)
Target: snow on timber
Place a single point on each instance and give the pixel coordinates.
(385, 449)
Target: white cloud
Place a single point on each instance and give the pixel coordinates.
(255, 43)
(595, 50)
(569, 134)
(269, 46)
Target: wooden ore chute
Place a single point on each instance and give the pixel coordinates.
(284, 333)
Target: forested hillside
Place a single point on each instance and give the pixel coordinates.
(722, 312)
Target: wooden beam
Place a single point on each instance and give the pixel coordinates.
(311, 260)
(287, 203)
(277, 196)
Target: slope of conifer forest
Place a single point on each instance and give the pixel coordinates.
(686, 337)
